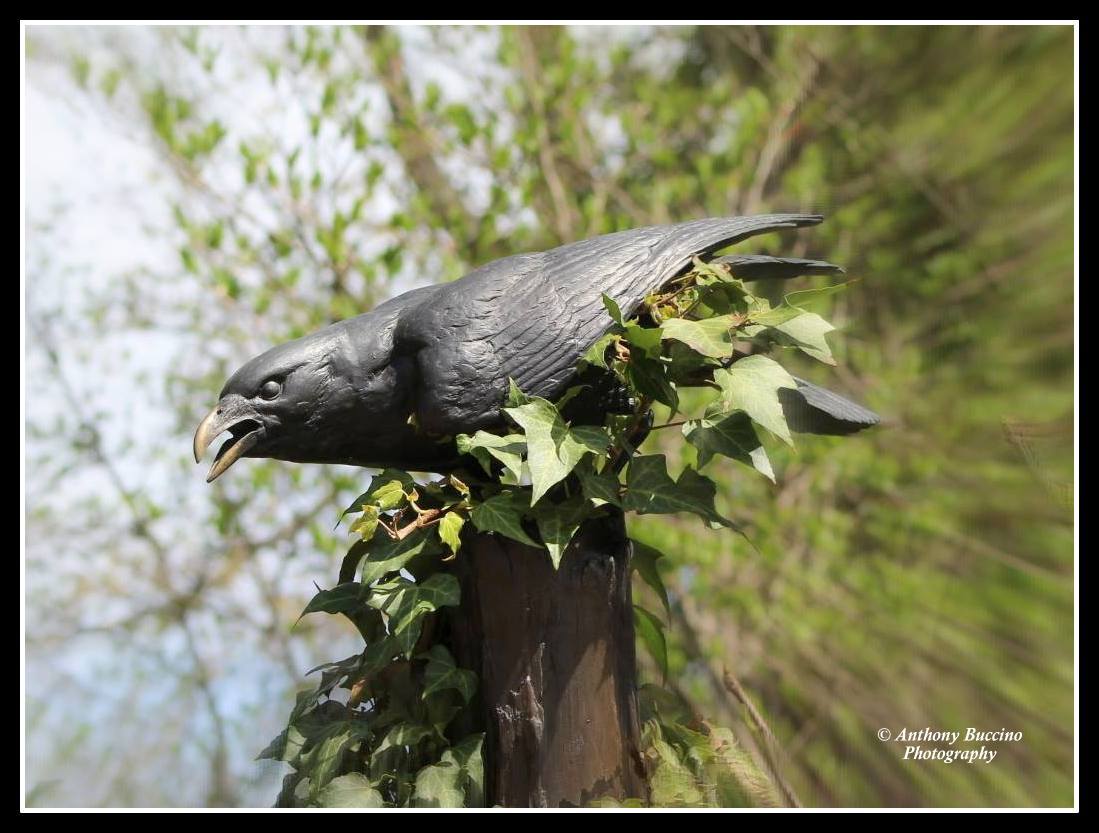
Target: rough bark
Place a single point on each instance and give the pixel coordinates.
(554, 651)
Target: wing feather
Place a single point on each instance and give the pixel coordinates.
(530, 317)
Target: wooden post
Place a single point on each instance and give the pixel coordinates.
(554, 651)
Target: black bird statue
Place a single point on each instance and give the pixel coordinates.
(392, 386)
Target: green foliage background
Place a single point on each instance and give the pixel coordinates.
(917, 575)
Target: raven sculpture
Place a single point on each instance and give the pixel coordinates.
(393, 386)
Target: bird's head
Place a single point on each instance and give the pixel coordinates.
(329, 397)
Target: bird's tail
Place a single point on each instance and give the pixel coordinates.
(811, 409)
(767, 268)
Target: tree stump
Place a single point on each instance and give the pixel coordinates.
(554, 651)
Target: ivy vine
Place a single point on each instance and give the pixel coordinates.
(384, 727)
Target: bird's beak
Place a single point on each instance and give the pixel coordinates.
(233, 413)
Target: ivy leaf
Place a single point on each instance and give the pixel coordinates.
(442, 674)
(722, 298)
(644, 561)
(644, 339)
(672, 783)
(599, 487)
(367, 523)
(382, 758)
(503, 515)
(404, 602)
(709, 337)
(515, 396)
(557, 523)
(731, 435)
(804, 297)
(350, 564)
(383, 484)
(323, 759)
(752, 385)
(597, 354)
(552, 449)
(685, 365)
(651, 490)
(649, 378)
(391, 554)
(468, 755)
(450, 530)
(456, 781)
(351, 790)
(439, 785)
(285, 747)
(484, 446)
(343, 598)
(651, 631)
(764, 317)
(613, 309)
(390, 495)
(807, 332)
(584, 439)
(378, 654)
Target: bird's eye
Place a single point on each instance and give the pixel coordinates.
(270, 389)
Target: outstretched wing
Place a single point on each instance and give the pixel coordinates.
(531, 317)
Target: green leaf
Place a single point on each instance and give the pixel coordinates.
(456, 781)
(389, 495)
(439, 785)
(807, 332)
(385, 755)
(382, 483)
(597, 353)
(342, 598)
(585, 439)
(558, 522)
(552, 449)
(468, 755)
(442, 674)
(323, 759)
(710, 337)
(651, 490)
(351, 790)
(731, 435)
(645, 339)
(484, 446)
(613, 309)
(388, 555)
(651, 631)
(515, 396)
(404, 602)
(285, 747)
(752, 385)
(649, 378)
(738, 779)
(722, 298)
(350, 564)
(599, 487)
(771, 317)
(560, 402)
(450, 530)
(379, 653)
(367, 523)
(503, 514)
(805, 297)
(644, 561)
(672, 784)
